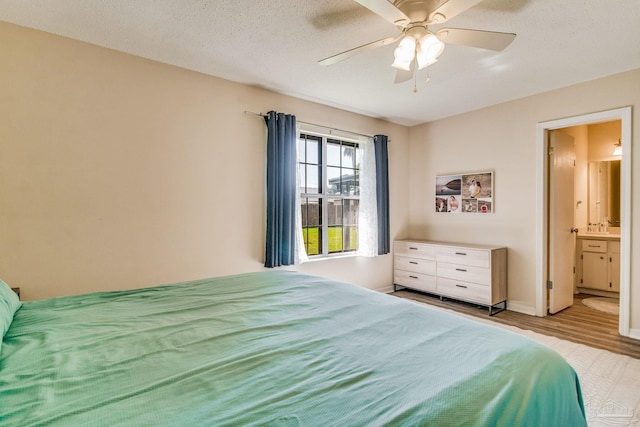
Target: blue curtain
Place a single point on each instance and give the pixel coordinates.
(281, 189)
(382, 193)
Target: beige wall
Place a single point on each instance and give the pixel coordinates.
(118, 172)
(502, 138)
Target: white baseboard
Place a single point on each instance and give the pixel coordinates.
(386, 289)
(521, 308)
(634, 333)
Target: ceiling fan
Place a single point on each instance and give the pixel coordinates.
(419, 46)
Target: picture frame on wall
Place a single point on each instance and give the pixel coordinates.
(464, 193)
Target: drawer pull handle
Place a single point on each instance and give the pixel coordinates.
(412, 248)
(461, 286)
(413, 262)
(594, 246)
(461, 253)
(414, 277)
(461, 269)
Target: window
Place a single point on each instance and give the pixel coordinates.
(329, 194)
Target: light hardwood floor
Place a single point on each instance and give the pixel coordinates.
(577, 323)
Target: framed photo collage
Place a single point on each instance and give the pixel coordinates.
(464, 193)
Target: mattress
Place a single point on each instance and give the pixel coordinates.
(272, 348)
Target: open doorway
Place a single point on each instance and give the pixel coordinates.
(544, 245)
(584, 221)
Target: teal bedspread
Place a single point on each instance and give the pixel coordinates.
(272, 348)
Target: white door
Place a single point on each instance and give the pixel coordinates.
(562, 160)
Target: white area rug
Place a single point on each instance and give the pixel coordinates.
(607, 305)
(610, 382)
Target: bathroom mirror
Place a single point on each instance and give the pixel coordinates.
(604, 192)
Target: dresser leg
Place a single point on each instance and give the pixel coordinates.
(498, 309)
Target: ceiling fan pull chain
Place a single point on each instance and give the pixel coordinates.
(415, 78)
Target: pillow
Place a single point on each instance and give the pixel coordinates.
(9, 304)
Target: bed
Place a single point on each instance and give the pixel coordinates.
(271, 348)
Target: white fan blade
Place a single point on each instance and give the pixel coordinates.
(476, 38)
(387, 11)
(403, 75)
(356, 50)
(449, 9)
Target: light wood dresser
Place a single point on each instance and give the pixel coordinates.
(471, 273)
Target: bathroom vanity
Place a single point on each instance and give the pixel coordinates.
(598, 262)
(598, 244)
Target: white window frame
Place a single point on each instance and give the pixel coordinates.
(324, 197)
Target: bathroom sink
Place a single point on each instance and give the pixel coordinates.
(613, 235)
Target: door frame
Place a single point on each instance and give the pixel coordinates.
(542, 205)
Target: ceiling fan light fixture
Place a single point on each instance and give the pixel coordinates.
(401, 64)
(408, 43)
(404, 54)
(431, 47)
(424, 62)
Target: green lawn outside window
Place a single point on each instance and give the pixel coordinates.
(310, 235)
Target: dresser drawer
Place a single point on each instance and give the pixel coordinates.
(414, 250)
(417, 265)
(465, 273)
(464, 256)
(594, 246)
(464, 290)
(421, 282)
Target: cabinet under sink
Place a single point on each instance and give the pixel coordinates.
(598, 264)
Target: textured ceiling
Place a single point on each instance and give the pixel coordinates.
(276, 44)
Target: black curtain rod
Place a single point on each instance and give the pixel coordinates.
(314, 124)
